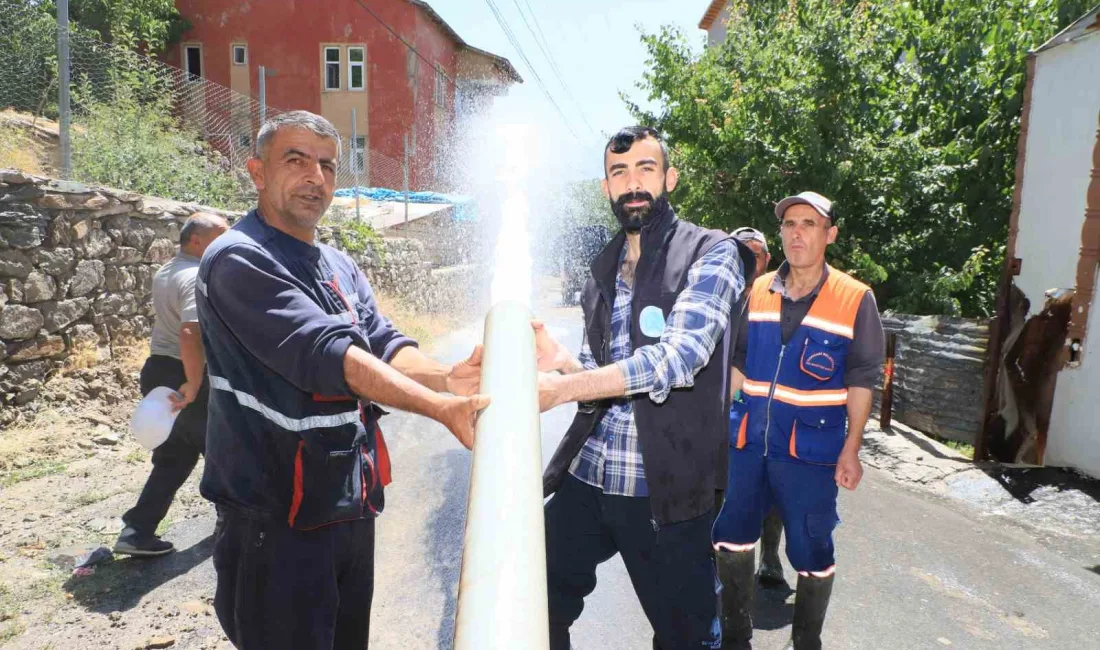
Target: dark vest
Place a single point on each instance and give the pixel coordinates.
(684, 441)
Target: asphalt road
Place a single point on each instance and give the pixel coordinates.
(914, 570)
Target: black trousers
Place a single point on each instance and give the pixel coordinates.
(177, 456)
(671, 567)
(285, 589)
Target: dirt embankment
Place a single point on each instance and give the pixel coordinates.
(68, 469)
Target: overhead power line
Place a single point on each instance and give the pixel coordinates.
(510, 35)
(545, 47)
(407, 44)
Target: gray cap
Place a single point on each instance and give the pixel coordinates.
(746, 234)
(823, 205)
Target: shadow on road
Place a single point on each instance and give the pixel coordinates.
(118, 586)
(1021, 482)
(773, 612)
(445, 530)
(923, 444)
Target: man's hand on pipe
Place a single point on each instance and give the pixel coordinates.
(465, 378)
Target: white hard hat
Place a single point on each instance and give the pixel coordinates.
(153, 418)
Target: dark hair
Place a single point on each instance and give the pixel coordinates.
(622, 141)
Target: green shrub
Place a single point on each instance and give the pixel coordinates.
(140, 147)
(355, 236)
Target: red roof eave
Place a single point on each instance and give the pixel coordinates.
(712, 13)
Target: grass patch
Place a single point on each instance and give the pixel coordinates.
(88, 498)
(8, 607)
(19, 150)
(31, 472)
(46, 587)
(130, 354)
(136, 456)
(164, 525)
(425, 328)
(963, 448)
(10, 625)
(11, 629)
(81, 357)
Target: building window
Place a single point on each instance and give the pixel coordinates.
(240, 55)
(440, 94)
(356, 68)
(359, 155)
(192, 55)
(332, 68)
(412, 64)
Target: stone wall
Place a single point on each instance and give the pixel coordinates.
(76, 270)
(407, 269)
(938, 373)
(77, 265)
(447, 242)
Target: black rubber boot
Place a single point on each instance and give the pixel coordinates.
(735, 571)
(810, 604)
(770, 573)
(559, 638)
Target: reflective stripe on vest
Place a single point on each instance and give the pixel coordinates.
(803, 379)
(284, 421)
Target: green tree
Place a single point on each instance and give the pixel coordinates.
(28, 48)
(905, 113)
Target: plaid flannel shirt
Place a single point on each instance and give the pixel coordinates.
(611, 458)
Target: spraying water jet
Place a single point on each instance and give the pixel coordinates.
(502, 589)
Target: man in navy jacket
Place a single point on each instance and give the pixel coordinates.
(300, 359)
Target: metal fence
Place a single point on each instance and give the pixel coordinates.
(100, 76)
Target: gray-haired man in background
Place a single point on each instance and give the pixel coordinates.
(176, 360)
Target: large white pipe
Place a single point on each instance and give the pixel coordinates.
(502, 591)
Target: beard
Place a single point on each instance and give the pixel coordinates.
(632, 219)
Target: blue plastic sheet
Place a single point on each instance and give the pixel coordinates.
(463, 205)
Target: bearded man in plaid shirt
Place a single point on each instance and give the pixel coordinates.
(636, 473)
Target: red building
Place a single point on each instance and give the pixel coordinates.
(395, 62)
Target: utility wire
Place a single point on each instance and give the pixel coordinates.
(534, 73)
(406, 43)
(550, 58)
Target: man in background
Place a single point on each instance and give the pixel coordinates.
(770, 573)
(175, 360)
(808, 357)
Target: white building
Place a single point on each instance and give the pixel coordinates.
(1055, 227)
(714, 21)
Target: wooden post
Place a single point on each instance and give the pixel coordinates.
(999, 327)
(887, 410)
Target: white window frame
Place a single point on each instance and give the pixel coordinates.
(325, 63)
(440, 90)
(233, 53)
(362, 65)
(359, 155)
(187, 47)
